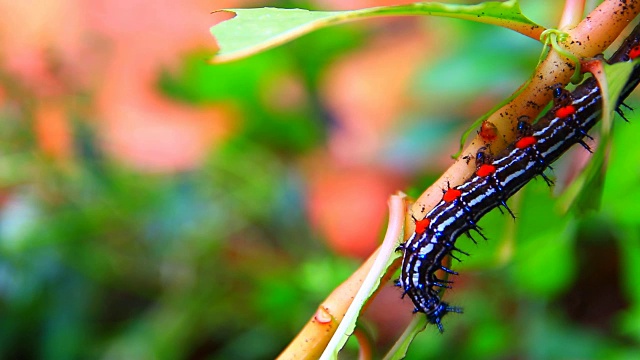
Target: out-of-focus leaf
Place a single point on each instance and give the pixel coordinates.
(621, 193)
(255, 30)
(585, 192)
(546, 264)
(630, 256)
(544, 260)
(247, 84)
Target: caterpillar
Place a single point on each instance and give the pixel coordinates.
(496, 180)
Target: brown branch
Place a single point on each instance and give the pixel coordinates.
(589, 38)
(316, 334)
(572, 13)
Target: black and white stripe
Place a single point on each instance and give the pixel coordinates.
(514, 167)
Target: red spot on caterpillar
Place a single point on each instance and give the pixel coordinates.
(451, 195)
(534, 148)
(565, 111)
(485, 170)
(488, 131)
(525, 142)
(635, 52)
(421, 225)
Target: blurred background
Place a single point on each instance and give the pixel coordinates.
(153, 206)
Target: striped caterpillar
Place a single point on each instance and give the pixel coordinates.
(495, 180)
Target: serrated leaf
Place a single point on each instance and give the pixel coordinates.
(255, 30)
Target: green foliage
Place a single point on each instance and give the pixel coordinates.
(99, 260)
(585, 192)
(255, 30)
(247, 86)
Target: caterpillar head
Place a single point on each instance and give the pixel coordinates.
(439, 311)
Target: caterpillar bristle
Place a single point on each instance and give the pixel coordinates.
(546, 179)
(453, 248)
(441, 285)
(625, 105)
(585, 134)
(447, 270)
(622, 115)
(504, 205)
(585, 146)
(455, 257)
(442, 280)
(468, 233)
(478, 230)
(496, 178)
(439, 311)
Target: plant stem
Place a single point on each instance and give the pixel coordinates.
(589, 38)
(572, 14)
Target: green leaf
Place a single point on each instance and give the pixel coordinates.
(255, 30)
(384, 257)
(612, 83)
(545, 265)
(400, 348)
(585, 192)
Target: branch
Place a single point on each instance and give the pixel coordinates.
(594, 34)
